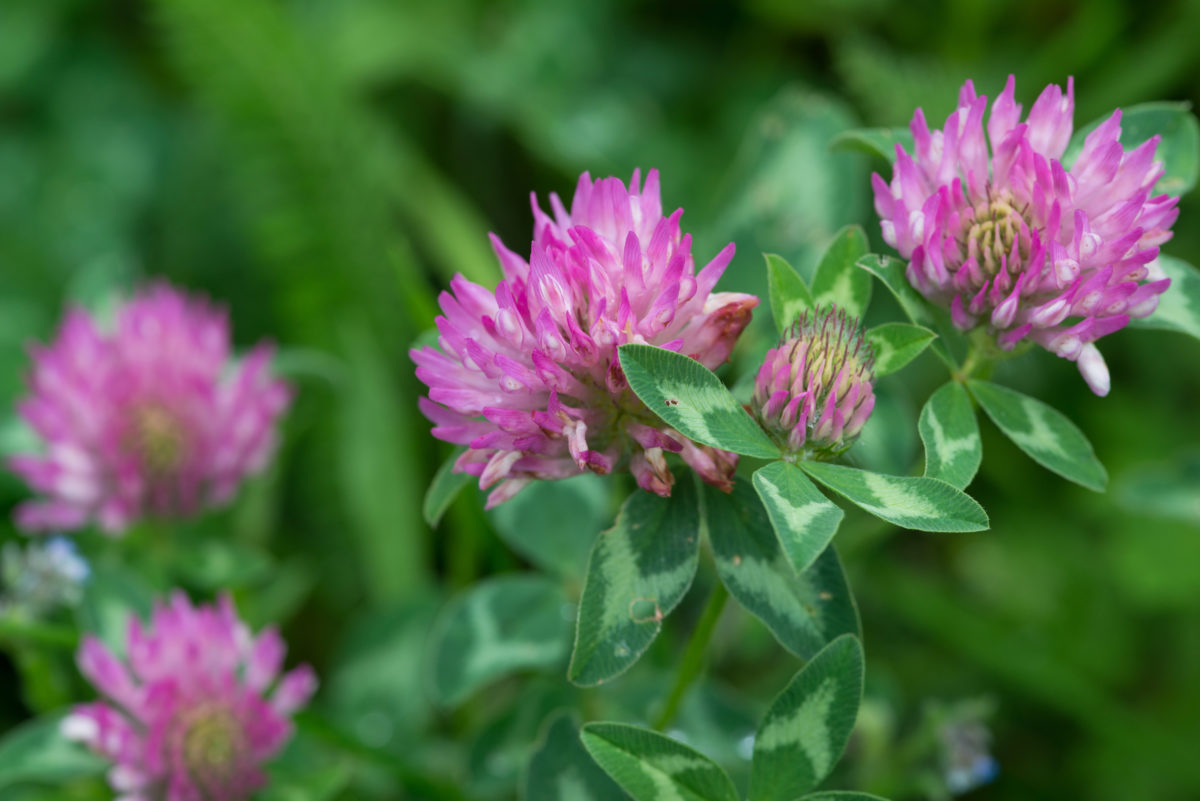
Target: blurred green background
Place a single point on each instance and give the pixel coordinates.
(324, 167)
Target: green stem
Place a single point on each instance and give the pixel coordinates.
(982, 356)
(692, 663)
(969, 366)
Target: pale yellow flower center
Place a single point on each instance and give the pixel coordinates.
(992, 234)
(159, 439)
(211, 746)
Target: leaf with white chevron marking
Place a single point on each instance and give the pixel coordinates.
(1178, 307)
(837, 279)
(803, 611)
(805, 731)
(804, 520)
(924, 504)
(1044, 433)
(560, 769)
(653, 767)
(953, 449)
(688, 397)
(637, 573)
(503, 624)
(788, 294)
(897, 344)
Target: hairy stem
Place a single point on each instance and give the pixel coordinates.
(974, 360)
(982, 354)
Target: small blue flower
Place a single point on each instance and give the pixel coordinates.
(62, 557)
(42, 575)
(961, 779)
(966, 760)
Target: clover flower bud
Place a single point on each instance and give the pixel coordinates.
(813, 393)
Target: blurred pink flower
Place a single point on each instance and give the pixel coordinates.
(1016, 242)
(151, 418)
(528, 377)
(814, 392)
(195, 708)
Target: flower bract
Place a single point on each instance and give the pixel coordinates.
(813, 393)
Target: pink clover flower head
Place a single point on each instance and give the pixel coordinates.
(528, 376)
(195, 708)
(814, 392)
(1012, 240)
(150, 418)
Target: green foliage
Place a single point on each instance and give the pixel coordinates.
(653, 767)
(324, 167)
(897, 344)
(837, 280)
(804, 611)
(891, 272)
(45, 672)
(321, 785)
(1046, 435)
(376, 682)
(302, 151)
(380, 485)
(111, 595)
(874, 141)
(950, 432)
(804, 520)
(924, 504)
(686, 395)
(443, 489)
(893, 84)
(560, 769)
(786, 193)
(37, 752)
(888, 442)
(1179, 307)
(500, 625)
(554, 524)
(788, 294)
(500, 751)
(1165, 490)
(807, 727)
(638, 572)
(212, 565)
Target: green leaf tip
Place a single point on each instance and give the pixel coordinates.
(924, 504)
(653, 767)
(1042, 432)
